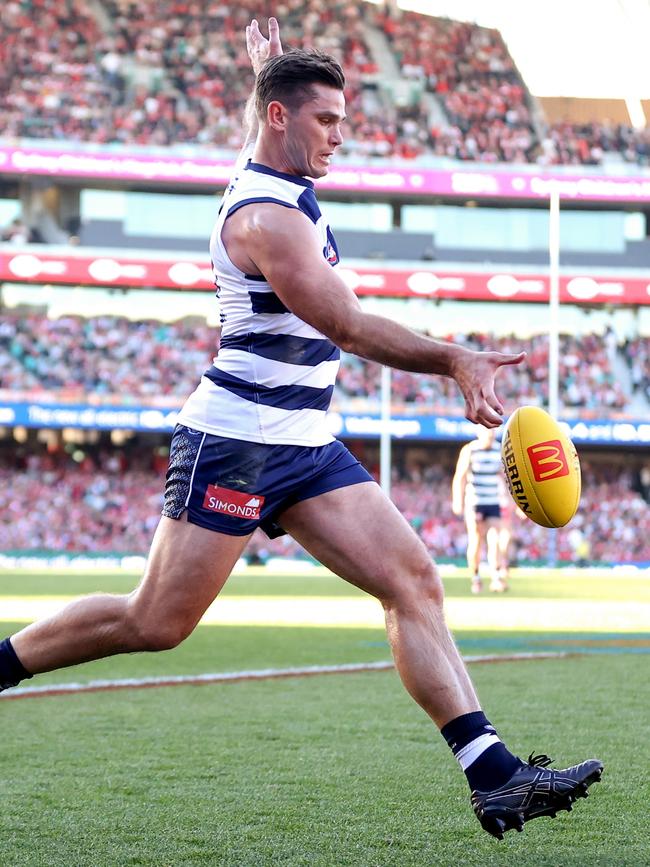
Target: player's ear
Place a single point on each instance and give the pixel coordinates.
(277, 115)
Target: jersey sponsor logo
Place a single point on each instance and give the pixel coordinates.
(331, 254)
(548, 460)
(330, 250)
(235, 503)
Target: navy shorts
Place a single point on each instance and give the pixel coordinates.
(487, 511)
(233, 486)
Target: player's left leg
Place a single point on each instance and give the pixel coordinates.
(359, 534)
(505, 540)
(497, 580)
(187, 567)
(475, 533)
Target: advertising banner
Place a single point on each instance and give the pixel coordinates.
(192, 168)
(633, 432)
(87, 268)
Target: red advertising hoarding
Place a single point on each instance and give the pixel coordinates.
(36, 265)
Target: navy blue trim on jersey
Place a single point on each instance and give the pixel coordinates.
(266, 302)
(290, 397)
(266, 170)
(307, 351)
(260, 199)
(259, 277)
(308, 205)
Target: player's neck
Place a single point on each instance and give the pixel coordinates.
(275, 158)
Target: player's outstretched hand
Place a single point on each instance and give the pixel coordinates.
(475, 373)
(259, 47)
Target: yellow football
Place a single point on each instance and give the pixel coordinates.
(542, 467)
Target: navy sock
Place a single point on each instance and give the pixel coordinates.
(12, 671)
(480, 752)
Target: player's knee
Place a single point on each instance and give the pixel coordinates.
(160, 635)
(429, 585)
(420, 586)
(153, 630)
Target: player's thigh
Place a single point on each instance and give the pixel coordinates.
(187, 567)
(359, 534)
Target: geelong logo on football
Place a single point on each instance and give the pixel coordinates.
(235, 503)
(548, 460)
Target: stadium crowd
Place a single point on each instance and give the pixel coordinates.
(163, 71)
(116, 360)
(589, 144)
(637, 354)
(109, 357)
(587, 379)
(470, 71)
(109, 500)
(166, 72)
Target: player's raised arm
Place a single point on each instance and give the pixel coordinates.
(259, 49)
(281, 244)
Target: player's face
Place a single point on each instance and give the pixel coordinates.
(314, 132)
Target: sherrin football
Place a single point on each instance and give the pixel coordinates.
(542, 467)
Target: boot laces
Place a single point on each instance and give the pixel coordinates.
(540, 761)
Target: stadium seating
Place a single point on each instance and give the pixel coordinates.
(587, 378)
(637, 355)
(176, 72)
(116, 360)
(110, 500)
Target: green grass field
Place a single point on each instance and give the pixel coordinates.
(330, 770)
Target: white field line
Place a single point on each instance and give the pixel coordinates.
(364, 612)
(235, 676)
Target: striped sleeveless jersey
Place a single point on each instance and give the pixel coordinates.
(484, 476)
(273, 376)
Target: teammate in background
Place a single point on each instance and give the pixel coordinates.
(478, 493)
(252, 447)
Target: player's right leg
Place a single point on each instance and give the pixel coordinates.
(359, 534)
(187, 567)
(474, 534)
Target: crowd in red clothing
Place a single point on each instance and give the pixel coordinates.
(471, 72)
(590, 143)
(168, 72)
(110, 501)
(586, 376)
(116, 360)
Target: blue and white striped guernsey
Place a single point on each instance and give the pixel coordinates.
(484, 477)
(273, 377)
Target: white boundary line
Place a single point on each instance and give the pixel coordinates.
(235, 676)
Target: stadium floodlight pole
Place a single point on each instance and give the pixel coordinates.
(385, 437)
(554, 327)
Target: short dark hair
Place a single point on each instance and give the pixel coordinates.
(288, 78)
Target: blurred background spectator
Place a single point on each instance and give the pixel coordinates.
(108, 500)
(117, 360)
(176, 72)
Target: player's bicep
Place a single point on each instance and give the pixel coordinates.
(286, 249)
